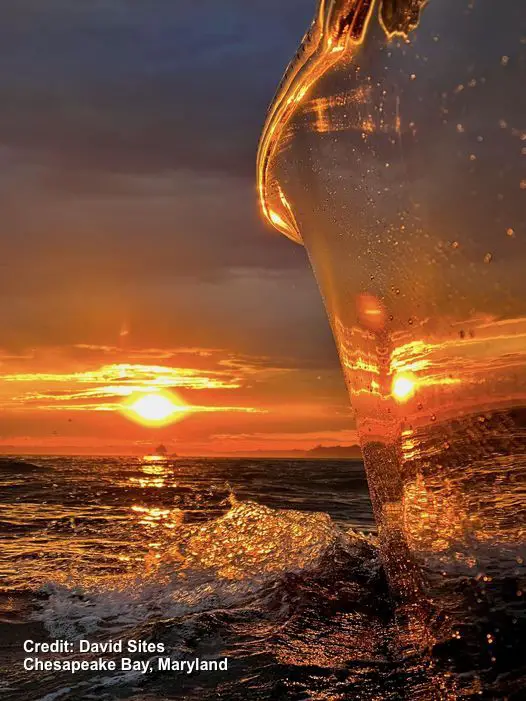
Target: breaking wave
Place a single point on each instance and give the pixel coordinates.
(250, 553)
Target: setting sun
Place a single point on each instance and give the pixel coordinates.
(156, 409)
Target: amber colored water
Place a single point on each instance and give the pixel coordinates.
(271, 563)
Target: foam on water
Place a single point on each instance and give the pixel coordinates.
(219, 564)
(296, 601)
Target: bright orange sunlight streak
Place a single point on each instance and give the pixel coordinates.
(156, 408)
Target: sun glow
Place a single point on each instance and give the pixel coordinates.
(403, 387)
(156, 409)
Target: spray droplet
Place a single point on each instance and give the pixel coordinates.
(504, 60)
(488, 258)
(510, 231)
(433, 417)
(460, 128)
(413, 76)
(455, 244)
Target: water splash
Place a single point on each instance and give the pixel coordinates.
(219, 564)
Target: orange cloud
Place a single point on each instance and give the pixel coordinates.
(71, 399)
(103, 389)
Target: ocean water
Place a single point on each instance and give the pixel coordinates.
(270, 563)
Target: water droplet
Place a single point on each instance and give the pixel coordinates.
(503, 124)
(488, 258)
(460, 128)
(472, 157)
(455, 244)
(509, 230)
(433, 417)
(420, 407)
(504, 60)
(413, 76)
(410, 322)
(523, 182)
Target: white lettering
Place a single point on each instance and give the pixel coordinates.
(167, 664)
(60, 646)
(142, 666)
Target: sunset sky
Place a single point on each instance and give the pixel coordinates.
(134, 258)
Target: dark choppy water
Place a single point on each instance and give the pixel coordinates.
(270, 563)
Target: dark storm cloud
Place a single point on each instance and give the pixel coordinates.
(101, 98)
(128, 134)
(133, 86)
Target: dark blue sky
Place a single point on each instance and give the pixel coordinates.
(128, 134)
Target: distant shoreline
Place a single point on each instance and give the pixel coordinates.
(224, 456)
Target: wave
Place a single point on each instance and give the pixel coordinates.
(236, 560)
(285, 595)
(20, 466)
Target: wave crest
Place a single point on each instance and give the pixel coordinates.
(224, 563)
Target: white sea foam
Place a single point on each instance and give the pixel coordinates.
(220, 564)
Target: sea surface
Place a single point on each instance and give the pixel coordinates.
(270, 563)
